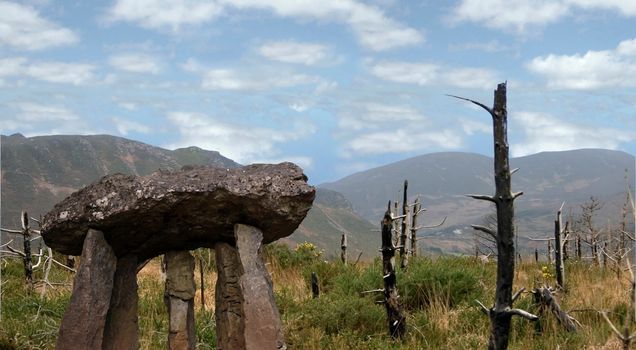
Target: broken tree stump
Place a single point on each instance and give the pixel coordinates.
(544, 298)
(315, 289)
(343, 248)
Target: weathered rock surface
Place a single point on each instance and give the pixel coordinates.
(179, 298)
(181, 210)
(228, 313)
(246, 313)
(85, 318)
(122, 328)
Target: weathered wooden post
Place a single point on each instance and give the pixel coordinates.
(315, 289)
(501, 313)
(343, 248)
(202, 283)
(549, 253)
(578, 247)
(558, 251)
(416, 210)
(404, 252)
(26, 239)
(536, 255)
(396, 320)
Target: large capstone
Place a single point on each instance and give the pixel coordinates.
(181, 210)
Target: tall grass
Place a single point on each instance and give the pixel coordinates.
(437, 295)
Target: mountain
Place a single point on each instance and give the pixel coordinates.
(37, 172)
(330, 216)
(441, 180)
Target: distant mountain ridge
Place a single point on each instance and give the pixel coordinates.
(37, 172)
(441, 180)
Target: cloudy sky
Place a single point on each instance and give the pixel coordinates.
(336, 86)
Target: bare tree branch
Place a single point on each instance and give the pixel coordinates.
(482, 197)
(485, 230)
(488, 109)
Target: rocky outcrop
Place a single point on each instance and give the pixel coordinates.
(181, 210)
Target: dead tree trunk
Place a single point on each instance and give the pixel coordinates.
(558, 251)
(416, 210)
(396, 320)
(26, 239)
(404, 259)
(501, 313)
(343, 248)
(315, 289)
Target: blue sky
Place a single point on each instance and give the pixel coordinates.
(336, 86)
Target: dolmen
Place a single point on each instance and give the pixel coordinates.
(120, 222)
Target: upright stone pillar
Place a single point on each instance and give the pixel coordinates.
(179, 298)
(230, 321)
(84, 320)
(246, 312)
(122, 329)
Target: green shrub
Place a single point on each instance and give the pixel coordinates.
(450, 280)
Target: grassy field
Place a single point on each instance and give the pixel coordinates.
(437, 294)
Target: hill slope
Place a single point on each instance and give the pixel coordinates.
(38, 172)
(441, 180)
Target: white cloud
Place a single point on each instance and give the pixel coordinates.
(50, 71)
(470, 127)
(406, 72)
(135, 62)
(242, 143)
(369, 23)
(22, 28)
(544, 132)
(592, 70)
(11, 66)
(164, 14)
(60, 72)
(230, 79)
(124, 126)
(492, 46)
(34, 112)
(295, 52)
(521, 14)
(32, 118)
(625, 7)
(403, 140)
(429, 73)
(372, 115)
(509, 14)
